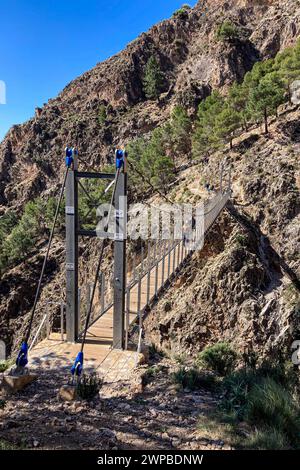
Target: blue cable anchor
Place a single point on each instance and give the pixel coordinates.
(77, 367)
(120, 157)
(70, 152)
(22, 359)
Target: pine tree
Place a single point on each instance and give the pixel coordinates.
(22, 238)
(155, 164)
(204, 137)
(153, 151)
(152, 162)
(259, 71)
(227, 122)
(163, 173)
(287, 64)
(237, 99)
(136, 148)
(7, 223)
(251, 82)
(265, 98)
(153, 80)
(49, 214)
(102, 115)
(180, 132)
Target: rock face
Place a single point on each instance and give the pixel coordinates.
(194, 63)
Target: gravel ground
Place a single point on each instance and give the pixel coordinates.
(125, 415)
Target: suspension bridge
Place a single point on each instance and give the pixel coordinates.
(103, 315)
(100, 335)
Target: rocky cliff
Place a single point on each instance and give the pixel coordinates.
(194, 63)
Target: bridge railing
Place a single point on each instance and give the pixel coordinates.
(149, 283)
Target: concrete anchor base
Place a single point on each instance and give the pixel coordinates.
(68, 392)
(15, 383)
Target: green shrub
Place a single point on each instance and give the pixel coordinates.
(193, 379)
(4, 445)
(102, 115)
(241, 239)
(182, 12)
(227, 31)
(2, 404)
(89, 386)
(180, 358)
(220, 358)
(212, 423)
(280, 371)
(250, 359)
(265, 399)
(267, 439)
(259, 400)
(154, 351)
(271, 404)
(3, 366)
(236, 389)
(151, 372)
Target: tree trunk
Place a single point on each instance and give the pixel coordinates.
(174, 162)
(266, 121)
(290, 94)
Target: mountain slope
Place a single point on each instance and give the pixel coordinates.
(194, 63)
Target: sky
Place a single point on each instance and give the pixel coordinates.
(44, 44)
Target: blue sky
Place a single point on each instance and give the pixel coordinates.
(44, 44)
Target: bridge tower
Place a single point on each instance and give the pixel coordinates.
(73, 232)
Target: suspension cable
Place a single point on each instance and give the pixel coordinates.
(94, 203)
(37, 295)
(159, 192)
(149, 182)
